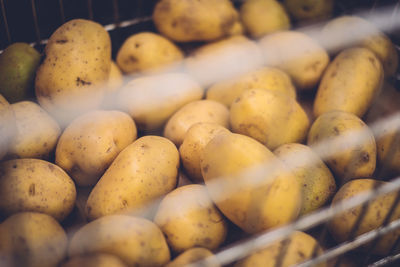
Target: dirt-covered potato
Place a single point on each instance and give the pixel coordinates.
(8, 126)
(195, 256)
(136, 241)
(73, 76)
(196, 138)
(298, 55)
(151, 100)
(192, 20)
(35, 185)
(188, 219)
(345, 143)
(342, 224)
(91, 142)
(351, 31)
(33, 240)
(261, 17)
(95, 260)
(194, 112)
(143, 171)
(147, 52)
(350, 83)
(282, 121)
(248, 183)
(316, 180)
(309, 10)
(265, 78)
(37, 132)
(298, 248)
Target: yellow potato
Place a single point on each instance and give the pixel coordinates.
(188, 219)
(33, 240)
(345, 144)
(73, 76)
(115, 81)
(342, 224)
(142, 172)
(299, 247)
(281, 121)
(317, 182)
(35, 185)
(351, 31)
(309, 10)
(186, 21)
(196, 138)
(388, 149)
(95, 260)
(147, 52)
(91, 142)
(37, 132)
(261, 17)
(296, 54)
(195, 256)
(151, 100)
(249, 185)
(265, 78)
(237, 28)
(350, 83)
(136, 241)
(8, 126)
(197, 111)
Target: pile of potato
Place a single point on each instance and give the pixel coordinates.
(180, 153)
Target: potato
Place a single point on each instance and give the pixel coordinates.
(91, 142)
(151, 100)
(95, 260)
(115, 81)
(261, 17)
(223, 60)
(318, 183)
(237, 28)
(136, 241)
(142, 172)
(265, 78)
(196, 138)
(35, 185)
(73, 76)
(351, 31)
(296, 54)
(309, 10)
(282, 121)
(32, 239)
(345, 144)
(188, 219)
(147, 52)
(386, 104)
(191, 20)
(37, 132)
(388, 149)
(350, 83)
(249, 185)
(197, 111)
(195, 256)
(8, 126)
(342, 224)
(299, 248)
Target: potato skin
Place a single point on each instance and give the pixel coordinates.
(191, 20)
(304, 62)
(73, 76)
(341, 225)
(194, 112)
(317, 182)
(35, 185)
(282, 121)
(95, 260)
(91, 142)
(8, 127)
(309, 10)
(136, 241)
(147, 52)
(193, 256)
(350, 83)
(253, 199)
(265, 78)
(188, 219)
(353, 153)
(32, 239)
(142, 172)
(37, 132)
(152, 100)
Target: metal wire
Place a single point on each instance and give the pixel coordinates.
(3, 12)
(36, 23)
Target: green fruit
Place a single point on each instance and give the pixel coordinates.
(18, 64)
